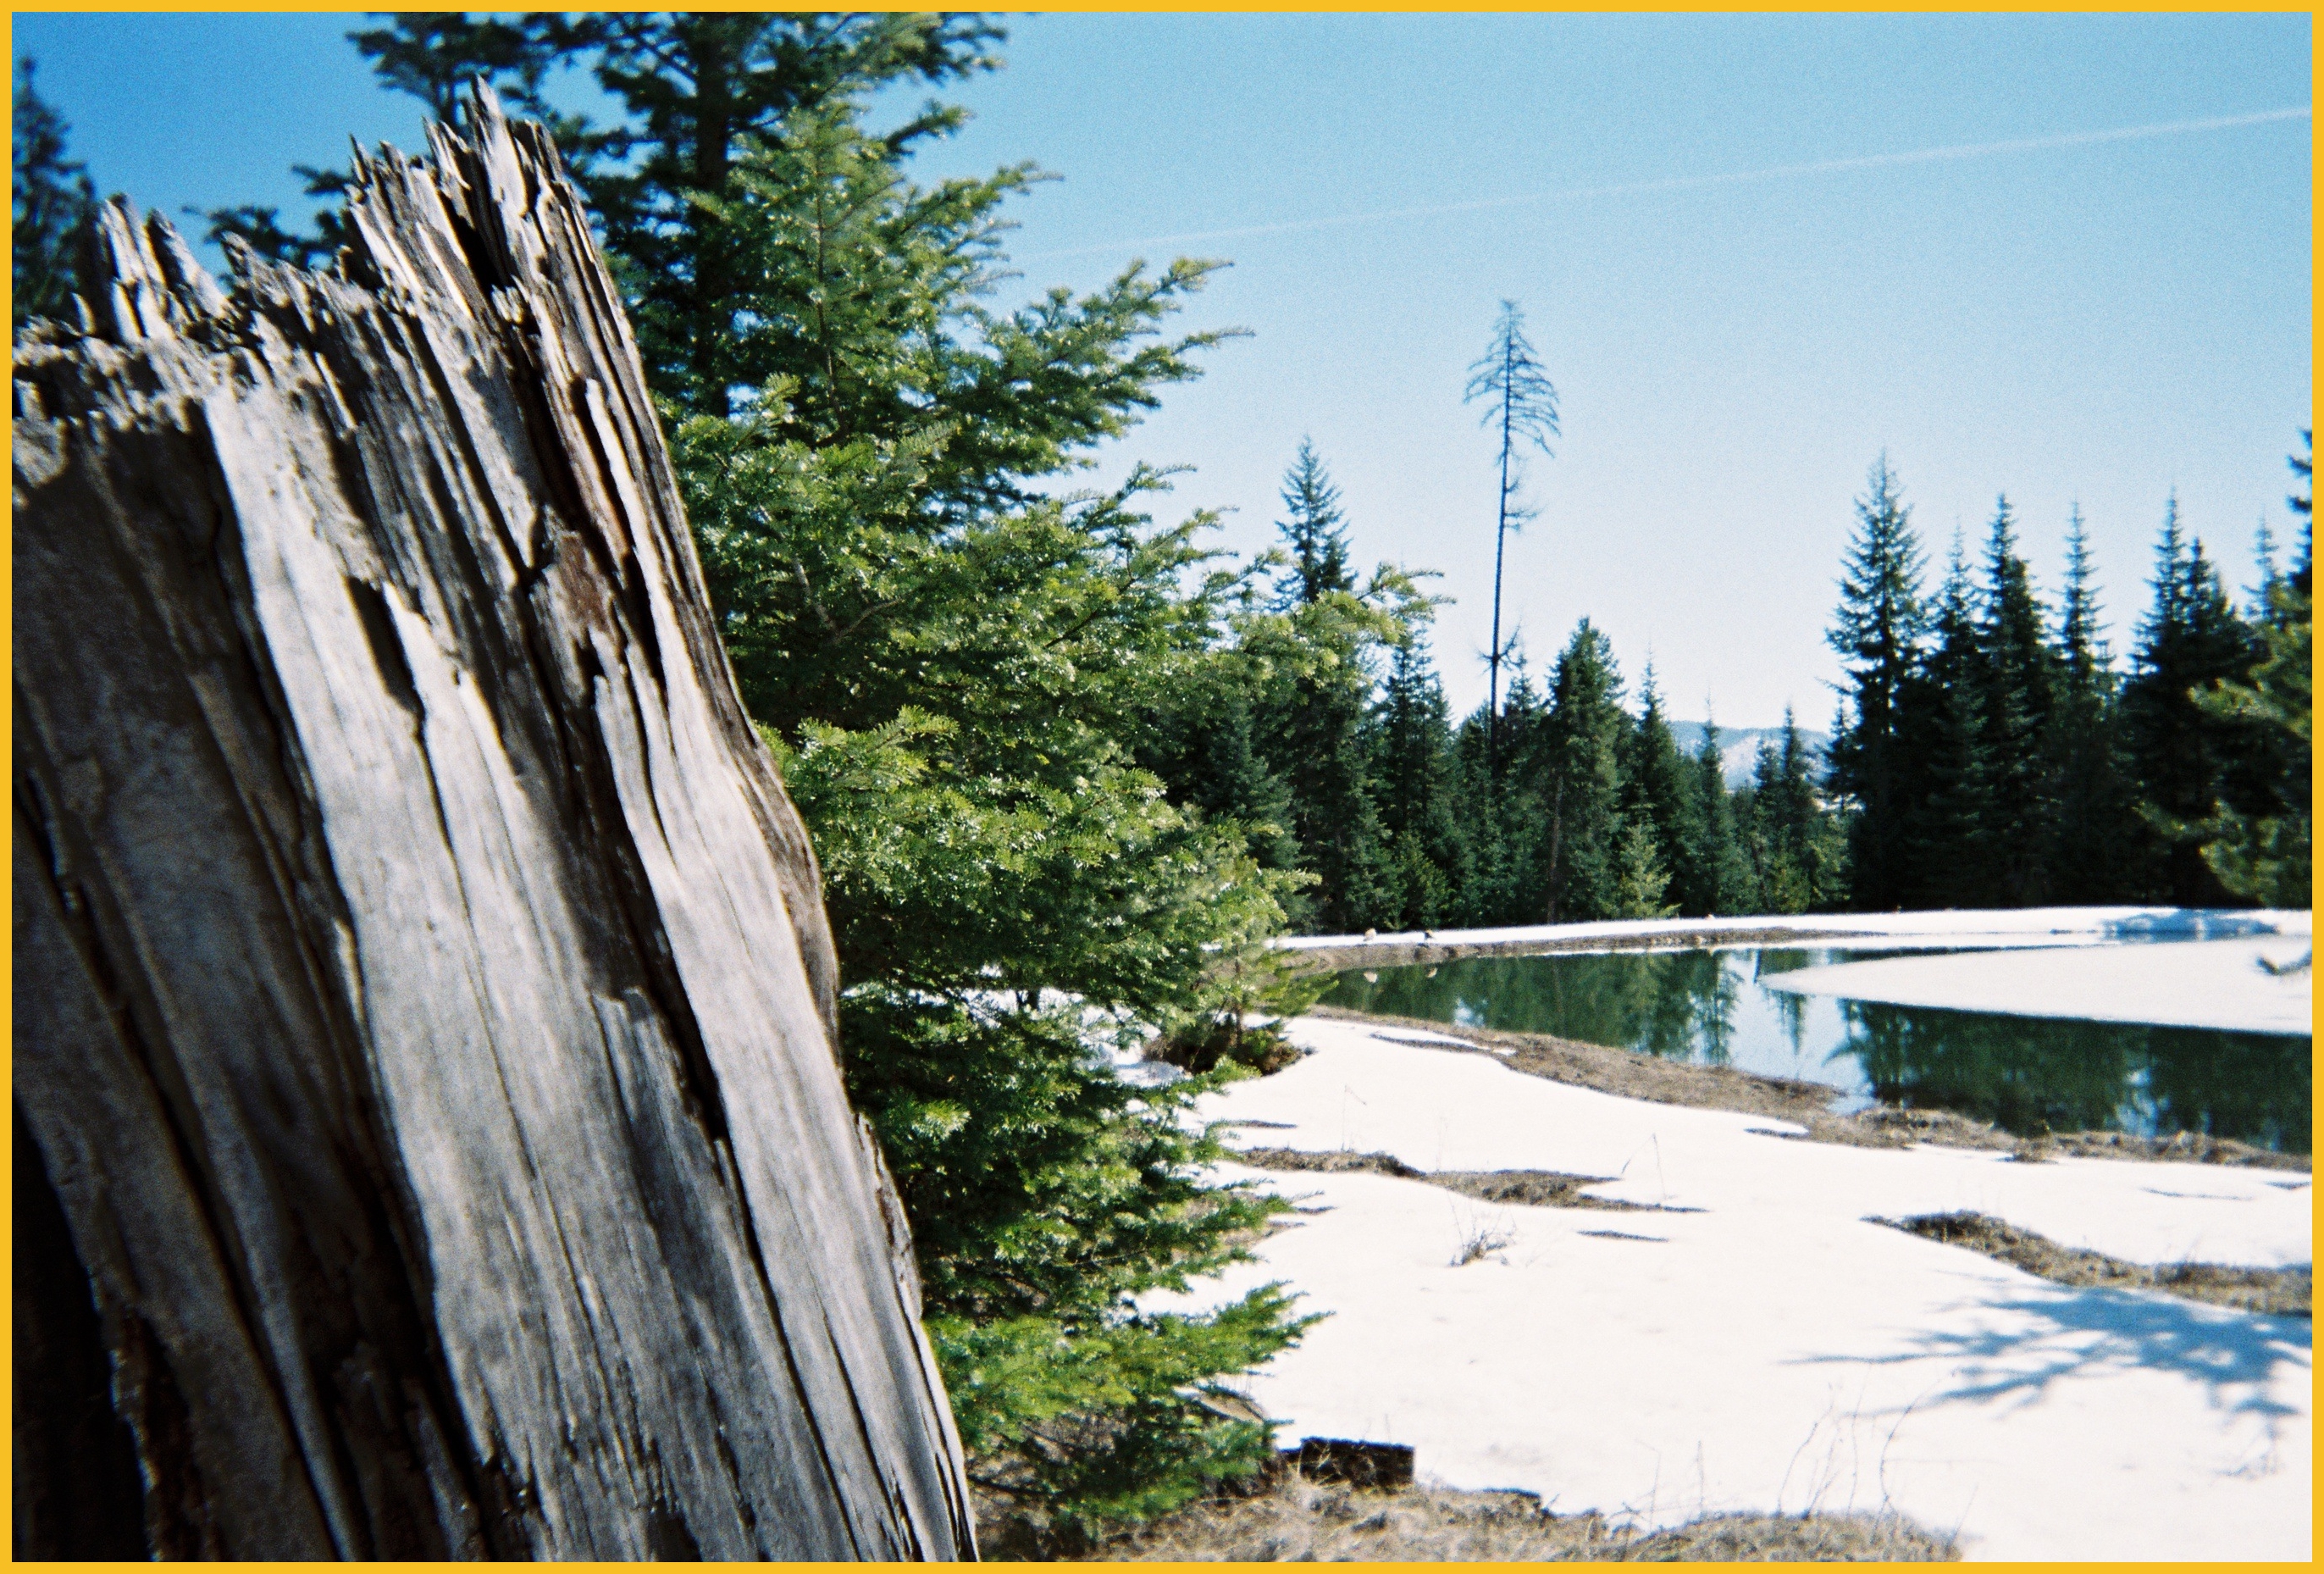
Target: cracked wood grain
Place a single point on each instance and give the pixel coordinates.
(423, 1001)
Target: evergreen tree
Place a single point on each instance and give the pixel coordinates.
(1640, 879)
(1725, 883)
(2017, 689)
(1799, 852)
(2263, 560)
(1503, 814)
(1581, 783)
(709, 96)
(433, 56)
(1878, 633)
(2094, 835)
(1416, 774)
(2183, 754)
(1314, 534)
(1204, 744)
(1950, 858)
(1657, 793)
(1315, 721)
(2264, 848)
(51, 207)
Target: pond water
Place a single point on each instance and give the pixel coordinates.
(2025, 1074)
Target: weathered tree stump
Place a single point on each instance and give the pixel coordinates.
(430, 1140)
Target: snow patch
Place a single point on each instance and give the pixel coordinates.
(1775, 1350)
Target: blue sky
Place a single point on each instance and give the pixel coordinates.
(2099, 321)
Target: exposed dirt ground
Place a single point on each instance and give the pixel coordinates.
(1294, 1519)
(1338, 959)
(1534, 1188)
(1636, 1076)
(2276, 1292)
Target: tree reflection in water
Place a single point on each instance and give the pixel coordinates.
(2025, 1074)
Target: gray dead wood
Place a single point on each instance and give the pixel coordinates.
(431, 1136)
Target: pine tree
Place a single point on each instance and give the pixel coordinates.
(1205, 743)
(1580, 782)
(1641, 878)
(1725, 882)
(434, 56)
(2263, 558)
(1314, 534)
(1798, 851)
(2182, 754)
(2093, 834)
(1950, 858)
(1657, 791)
(51, 205)
(706, 100)
(1316, 720)
(1415, 774)
(2017, 684)
(2264, 848)
(1502, 812)
(1878, 632)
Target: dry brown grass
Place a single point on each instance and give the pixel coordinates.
(1633, 1075)
(1530, 1187)
(1297, 1520)
(2274, 1291)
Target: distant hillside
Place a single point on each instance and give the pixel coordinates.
(1739, 747)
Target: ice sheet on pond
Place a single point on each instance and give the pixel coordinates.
(2210, 983)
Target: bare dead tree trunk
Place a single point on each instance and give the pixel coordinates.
(430, 1140)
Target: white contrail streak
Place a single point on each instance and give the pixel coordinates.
(1972, 150)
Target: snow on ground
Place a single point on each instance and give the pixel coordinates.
(2035, 926)
(2213, 984)
(1773, 1350)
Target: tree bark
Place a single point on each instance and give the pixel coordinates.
(423, 1000)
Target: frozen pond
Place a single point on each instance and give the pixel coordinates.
(2024, 1073)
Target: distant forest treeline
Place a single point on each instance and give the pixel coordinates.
(1989, 750)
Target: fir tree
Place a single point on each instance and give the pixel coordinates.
(2093, 834)
(1878, 633)
(1580, 782)
(1725, 883)
(1799, 853)
(1330, 637)
(1657, 791)
(51, 208)
(1950, 853)
(2263, 560)
(1503, 815)
(2183, 754)
(1205, 743)
(2017, 689)
(1314, 534)
(1639, 878)
(2264, 848)
(706, 100)
(1417, 783)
